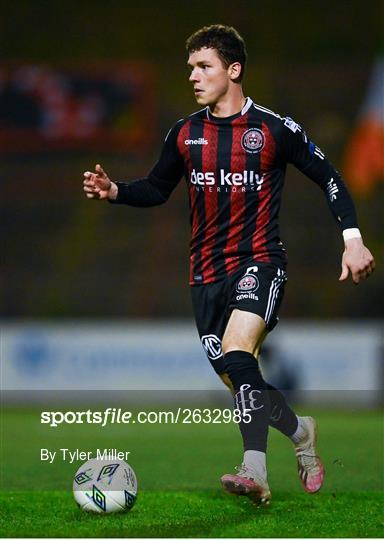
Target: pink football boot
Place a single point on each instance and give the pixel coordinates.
(249, 484)
(311, 470)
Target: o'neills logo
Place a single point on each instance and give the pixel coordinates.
(196, 141)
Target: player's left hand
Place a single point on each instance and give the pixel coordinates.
(358, 260)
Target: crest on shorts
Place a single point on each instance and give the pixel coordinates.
(212, 346)
(247, 283)
(252, 140)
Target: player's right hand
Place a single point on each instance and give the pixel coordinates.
(97, 185)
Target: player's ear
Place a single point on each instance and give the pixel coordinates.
(234, 70)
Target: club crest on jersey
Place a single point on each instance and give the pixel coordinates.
(247, 283)
(252, 140)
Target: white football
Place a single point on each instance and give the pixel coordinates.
(103, 486)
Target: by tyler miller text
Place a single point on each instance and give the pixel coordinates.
(65, 454)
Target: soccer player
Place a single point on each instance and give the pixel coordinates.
(233, 154)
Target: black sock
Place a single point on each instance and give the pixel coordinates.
(282, 416)
(251, 397)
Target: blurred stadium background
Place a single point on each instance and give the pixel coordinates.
(88, 82)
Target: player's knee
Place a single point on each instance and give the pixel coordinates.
(236, 344)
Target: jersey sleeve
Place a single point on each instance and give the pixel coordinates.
(155, 188)
(310, 160)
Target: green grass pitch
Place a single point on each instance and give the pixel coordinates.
(178, 469)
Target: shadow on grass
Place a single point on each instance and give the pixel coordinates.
(175, 514)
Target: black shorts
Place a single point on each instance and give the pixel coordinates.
(258, 289)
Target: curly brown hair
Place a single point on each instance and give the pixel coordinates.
(226, 40)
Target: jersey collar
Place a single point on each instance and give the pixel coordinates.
(247, 105)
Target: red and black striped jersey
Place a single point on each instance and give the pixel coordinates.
(234, 169)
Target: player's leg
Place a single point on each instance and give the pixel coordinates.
(260, 291)
(245, 332)
(211, 306)
(256, 296)
(303, 433)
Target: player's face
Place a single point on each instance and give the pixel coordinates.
(209, 76)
